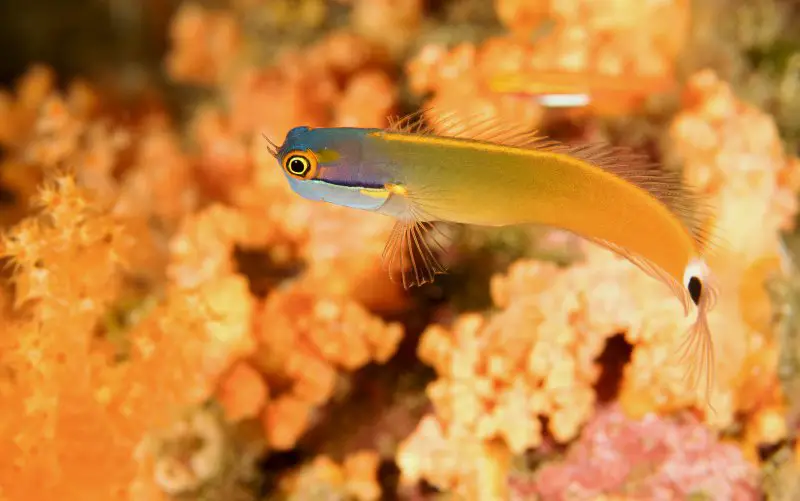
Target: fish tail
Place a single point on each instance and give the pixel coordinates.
(697, 349)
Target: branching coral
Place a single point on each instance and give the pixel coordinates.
(19, 113)
(733, 153)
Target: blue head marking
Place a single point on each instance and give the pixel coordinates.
(327, 165)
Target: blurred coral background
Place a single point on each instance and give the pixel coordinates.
(177, 324)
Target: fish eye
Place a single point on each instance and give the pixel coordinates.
(300, 164)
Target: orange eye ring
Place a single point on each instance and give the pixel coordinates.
(300, 164)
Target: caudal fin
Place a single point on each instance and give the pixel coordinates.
(697, 349)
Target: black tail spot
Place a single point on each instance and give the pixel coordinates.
(695, 289)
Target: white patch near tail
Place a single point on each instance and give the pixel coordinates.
(698, 344)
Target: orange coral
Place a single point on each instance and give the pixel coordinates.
(77, 261)
(536, 357)
(242, 392)
(356, 478)
(454, 462)
(66, 382)
(392, 22)
(115, 159)
(160, 181)
(340, 80)
(137, 293)
(43, 130)
(309, 84)
(733, 153)
(18, 114)
(205, 44)
(522, 16)
(367, 100)
(201, 249)
(604, 50)
(458, 79)
(657, 24)
(343, 252)
(305, 338)
(308, 331)
(224, 162)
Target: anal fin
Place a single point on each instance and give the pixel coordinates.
(410, 255)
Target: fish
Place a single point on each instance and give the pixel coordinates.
(605, 94)
(425, 171)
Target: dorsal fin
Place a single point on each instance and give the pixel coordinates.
(665, 185)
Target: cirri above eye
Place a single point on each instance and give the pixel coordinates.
(300, 164)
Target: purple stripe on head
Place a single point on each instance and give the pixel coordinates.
(339, 151)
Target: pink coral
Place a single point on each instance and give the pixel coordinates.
(655, 458)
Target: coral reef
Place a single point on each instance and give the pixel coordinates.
(178, 324)
(535, 361)
(607, 51)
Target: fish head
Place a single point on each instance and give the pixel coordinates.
(327, 164)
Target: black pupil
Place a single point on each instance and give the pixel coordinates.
(695, 289)
(297, 166)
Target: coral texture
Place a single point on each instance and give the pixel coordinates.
(177, 323)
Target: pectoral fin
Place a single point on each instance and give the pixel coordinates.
(410, 254)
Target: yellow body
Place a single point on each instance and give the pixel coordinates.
(513, 177)
(487, 184)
